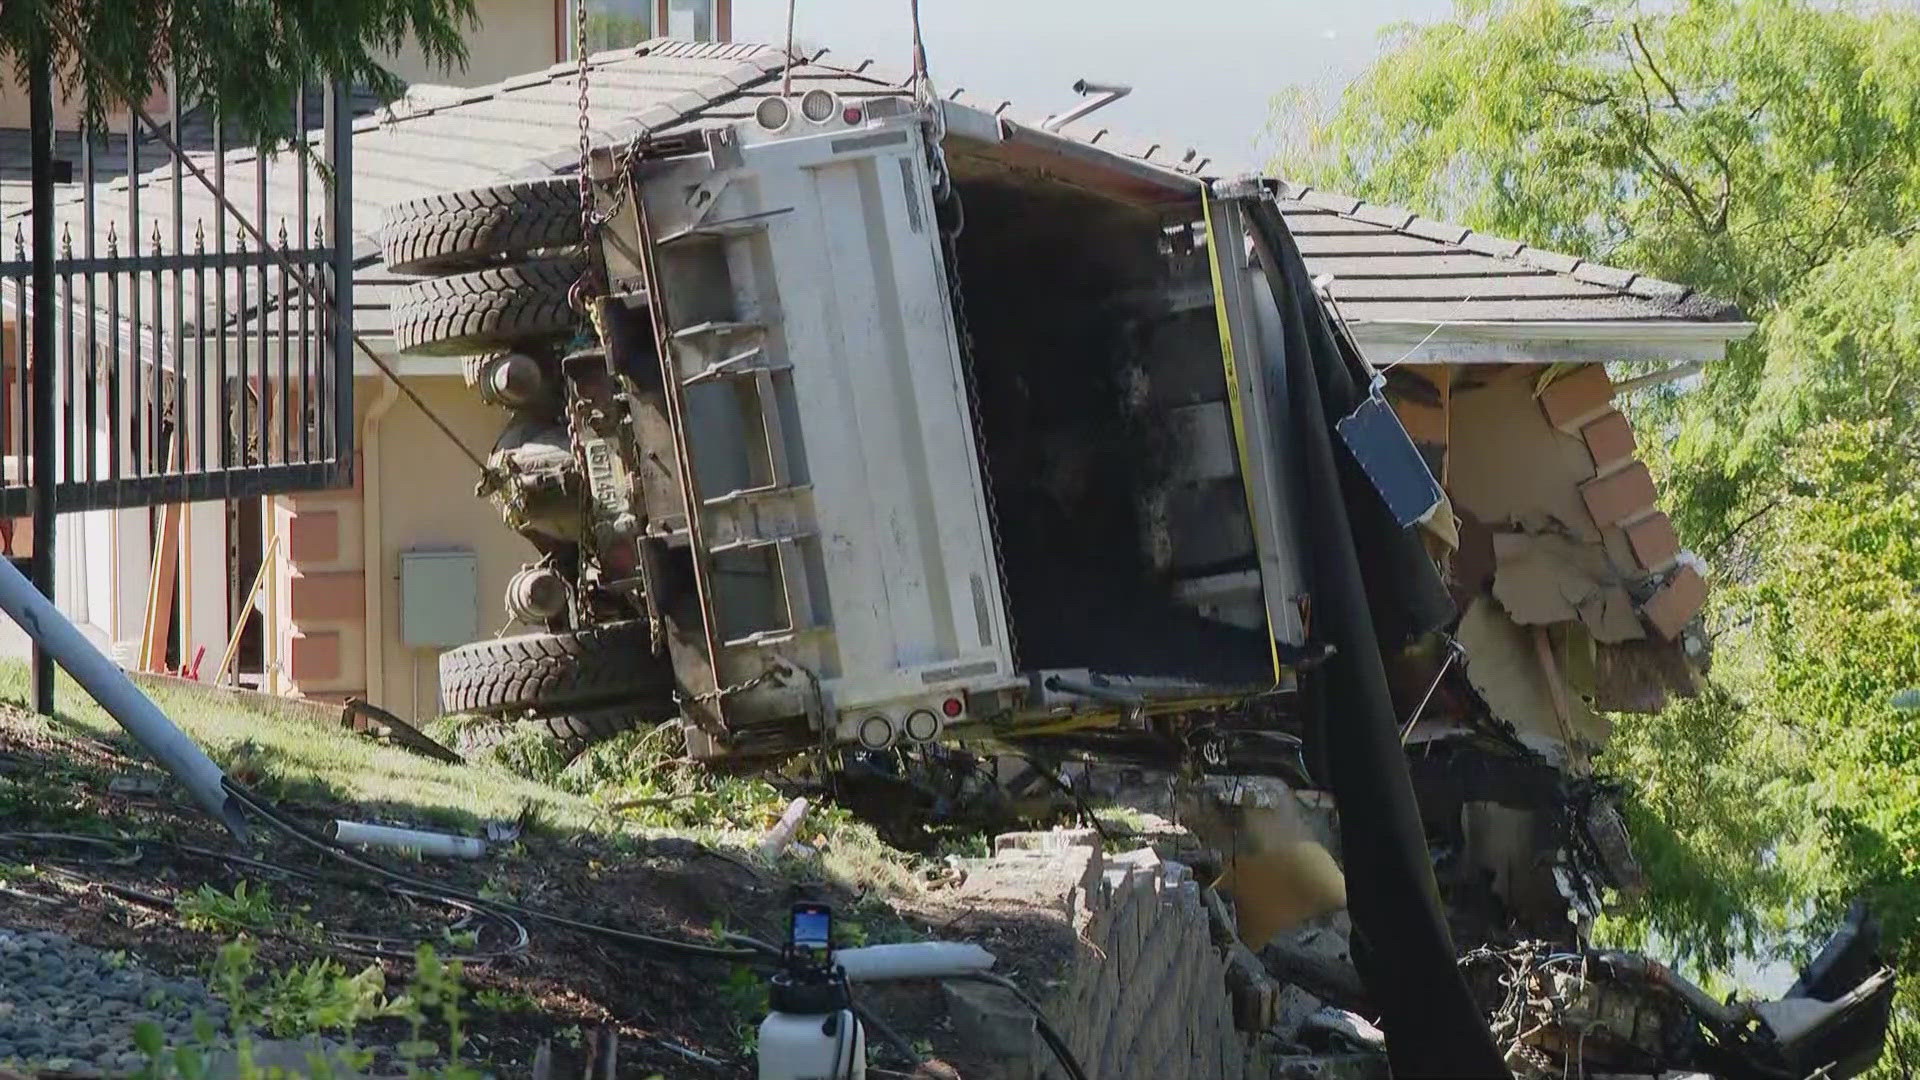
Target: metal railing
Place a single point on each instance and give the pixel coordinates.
(189, 364)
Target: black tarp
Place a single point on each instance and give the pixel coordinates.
(1372, 587)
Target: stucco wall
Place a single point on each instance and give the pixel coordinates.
(513, 37)
(425, 500)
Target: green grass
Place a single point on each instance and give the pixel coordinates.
(295, 758)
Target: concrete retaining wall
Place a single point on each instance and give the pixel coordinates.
(1158, 984)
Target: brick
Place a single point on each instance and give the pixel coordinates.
(1577, 397)
(1625, 495)
(1610, 441)
(1670, 609)
(1655, 543)
(314, 537)
(334, 596)
(314, 658)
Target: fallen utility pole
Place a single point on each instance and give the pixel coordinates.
(55, 636)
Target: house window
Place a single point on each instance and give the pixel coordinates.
(618, 24)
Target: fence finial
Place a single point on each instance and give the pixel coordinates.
(113, 239)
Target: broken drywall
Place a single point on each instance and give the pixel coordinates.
(1544, 578)
(1509, 468)
(1504, 669)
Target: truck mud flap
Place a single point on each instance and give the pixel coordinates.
(1373, 587)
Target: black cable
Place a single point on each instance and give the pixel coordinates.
(1054, 1042)
(893, 1038)
(666, 947)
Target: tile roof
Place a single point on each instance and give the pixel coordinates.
(1387, 265)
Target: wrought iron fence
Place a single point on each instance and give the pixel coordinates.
(191, 360)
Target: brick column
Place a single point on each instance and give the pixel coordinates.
(322, 593)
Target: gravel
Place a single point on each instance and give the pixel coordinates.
(66, 1006)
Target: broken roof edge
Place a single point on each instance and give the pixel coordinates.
(1688, 304)
(1546, 342)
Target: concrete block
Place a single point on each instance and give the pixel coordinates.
(1655, 543)
(1626, 494)
(1291, 1010)
(1610, 441)
(1256, 997)
(1577, 397)
(1670, 609)
(1046, 840)
(990, 1019)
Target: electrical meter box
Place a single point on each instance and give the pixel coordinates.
(439, 598)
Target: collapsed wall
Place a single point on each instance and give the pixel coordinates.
(1157, 981)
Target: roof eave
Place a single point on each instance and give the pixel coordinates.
(1600, 341)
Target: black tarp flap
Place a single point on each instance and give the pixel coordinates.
(1372, 587)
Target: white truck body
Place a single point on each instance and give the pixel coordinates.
(845, 575)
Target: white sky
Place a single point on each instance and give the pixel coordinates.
(1203, 71)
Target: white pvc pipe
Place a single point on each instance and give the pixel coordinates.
(778, 837)
(107, 684)
(419, 842)
(913, 960)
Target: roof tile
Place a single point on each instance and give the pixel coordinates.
(1435, 230)
(1655, 289)
(1611, 276)
(1548, 260)
(1382, 215)
(1327, 200)
(1491, 245)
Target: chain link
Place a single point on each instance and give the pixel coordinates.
(580, 296)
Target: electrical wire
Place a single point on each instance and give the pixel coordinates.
(893, 1038)
(665, 948)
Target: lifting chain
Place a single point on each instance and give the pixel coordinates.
(580, 296)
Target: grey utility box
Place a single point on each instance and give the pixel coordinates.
(439, 598)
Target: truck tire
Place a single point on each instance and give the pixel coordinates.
(604, 665)
(485, 310)
(459, 230)
(582, 728)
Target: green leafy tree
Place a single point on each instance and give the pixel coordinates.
(1767, 151)
(1735, 146)
(250, 56)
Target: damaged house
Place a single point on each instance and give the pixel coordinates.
(1567, 592)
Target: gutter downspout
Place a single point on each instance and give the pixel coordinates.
(372, 566)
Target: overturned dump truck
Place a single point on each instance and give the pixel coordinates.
(884, 438)
(882, 425)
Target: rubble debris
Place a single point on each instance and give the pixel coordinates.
(1553, 1009)
(1503, 668)
(1276, 868)
(1545, 578)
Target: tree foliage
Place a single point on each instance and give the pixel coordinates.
(1767, 151)
(1734, 145)
(249, 56)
